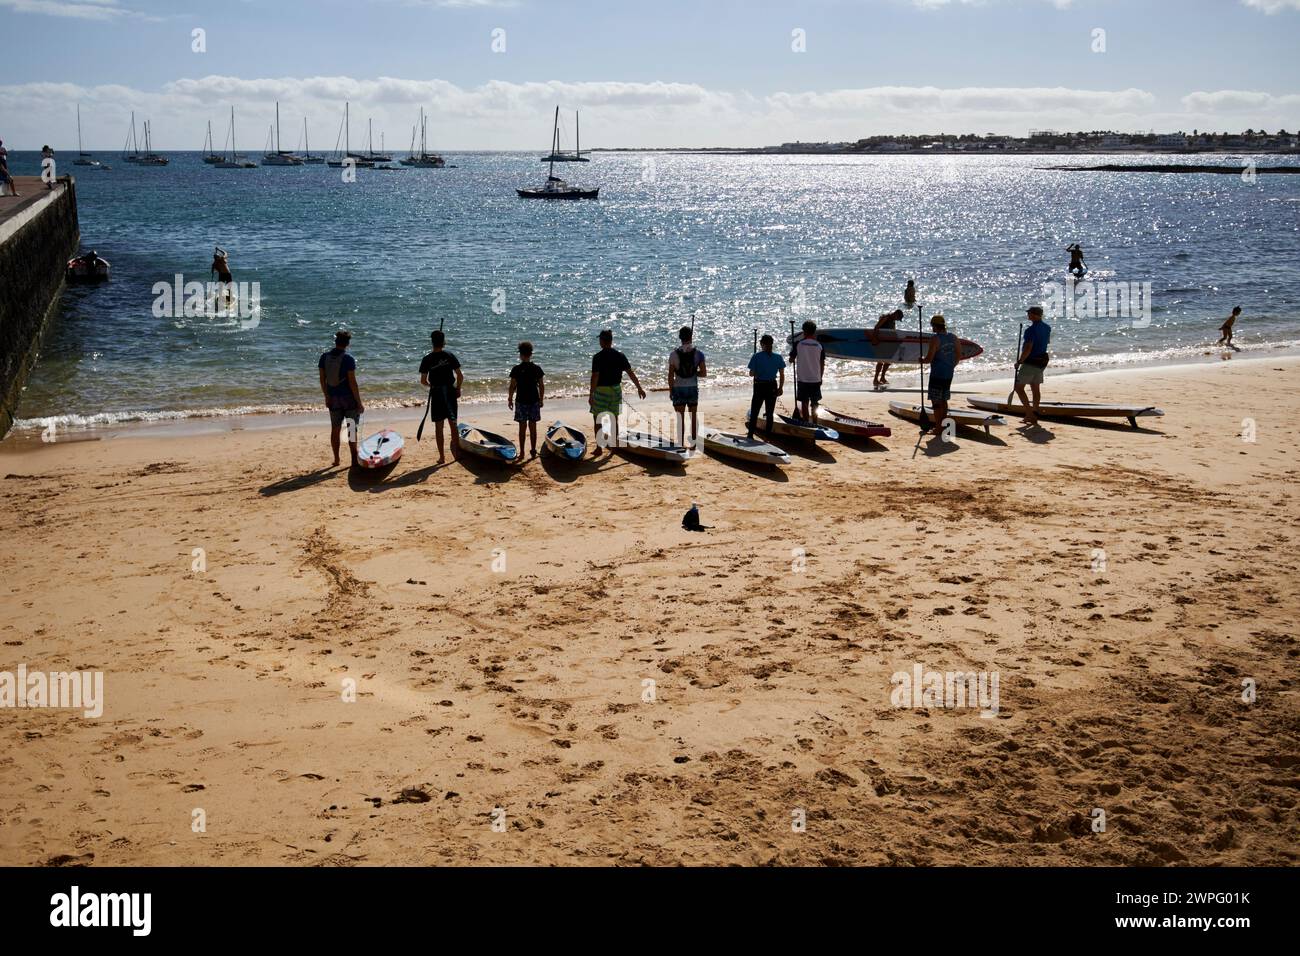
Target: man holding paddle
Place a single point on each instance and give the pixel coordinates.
(338, 383)
(440, 373)
(1031, 362)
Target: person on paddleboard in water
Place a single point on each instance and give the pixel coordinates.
(221, 266)
(440, 373)
(338, 382)
(1077, 266)
(1032, 360)
(909, 294)
(889, 321)
(942, 357)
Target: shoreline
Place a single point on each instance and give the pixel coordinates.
(28, 432)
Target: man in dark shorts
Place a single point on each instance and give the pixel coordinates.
(686, 367)
(768, 371)
(605, 397)
(527, 394)
(338, 383)
(1032, 360)
(809, 360)
(440, 373)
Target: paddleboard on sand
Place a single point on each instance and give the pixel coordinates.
(380, 450)
(889, 345)
(795, 428)
(485, 444)
(1069, 409)
(652, 446)
(565, 443)
(848, 425)
(745, 449)
(963, 417)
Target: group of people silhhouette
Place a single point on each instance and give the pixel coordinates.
(440, 372)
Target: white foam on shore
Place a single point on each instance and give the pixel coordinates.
(114, 424)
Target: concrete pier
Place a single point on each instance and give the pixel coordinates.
(38, 234)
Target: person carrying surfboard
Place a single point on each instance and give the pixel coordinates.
(338, 383)
(440, 373)
(889, 320)
(1077, 266)
(527, 386)
(1031, 362)
(685, 369)
(605, 395)
(1226, 328)
(809, 360)
(942, 357)
(768, 371)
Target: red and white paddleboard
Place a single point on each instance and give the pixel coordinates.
(380, 450)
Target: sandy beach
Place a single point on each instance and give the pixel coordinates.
(549, 670)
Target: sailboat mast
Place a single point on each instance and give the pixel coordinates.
(555, 140)
(305, 143)
(79, 150)
(347, 131)
(577, 135)
(277, 126)
(233, 154)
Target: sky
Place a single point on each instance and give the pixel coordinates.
(643, 73)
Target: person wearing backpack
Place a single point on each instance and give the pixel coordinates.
(338, 382)
(685, 369)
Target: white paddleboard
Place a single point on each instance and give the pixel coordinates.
(380, 450)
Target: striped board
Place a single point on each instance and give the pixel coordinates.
(795, 428)
(744, 449)
(652, 446)
(565, 443)
(848, 425)
(963, 417)
(380, 450)
(890, 345)
(485, 444)
(1069, 409)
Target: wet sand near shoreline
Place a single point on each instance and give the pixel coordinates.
(501, 627)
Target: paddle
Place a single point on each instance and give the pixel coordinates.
(1016, 370)
(427, 402)
(924, 421)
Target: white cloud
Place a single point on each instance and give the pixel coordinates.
(516, 115)
(77, 9)
(1272, 6)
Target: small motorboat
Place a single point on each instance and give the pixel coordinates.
(87, 268)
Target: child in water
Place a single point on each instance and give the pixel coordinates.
(1226, 328)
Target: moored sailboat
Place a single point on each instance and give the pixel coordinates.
(235, 161)
(556, 188)
(423, 159)
(278, 156)
(83, 158)
(560, 156)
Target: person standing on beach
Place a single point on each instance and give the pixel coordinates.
(440, 373)
(809, 364)
(685, 369)
(527, 386)
(1226, 328)
(47, 152)
(888, 321)
(605, 397)
(1033, 359)
(943, 356)
(6, 180)
(768, 371)
(338, 382)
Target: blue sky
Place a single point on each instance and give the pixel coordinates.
(664, 73)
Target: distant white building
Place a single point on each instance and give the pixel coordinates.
(1114, 141)
(1171, 141)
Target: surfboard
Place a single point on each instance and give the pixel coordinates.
(890, 345)
(380, 450)
(1069, 409)
(963, 417)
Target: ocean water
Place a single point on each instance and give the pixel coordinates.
(739, 242)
